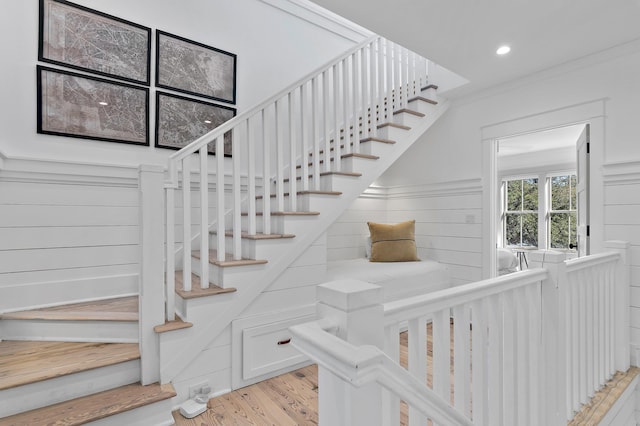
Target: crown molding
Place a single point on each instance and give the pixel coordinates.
(316, 15)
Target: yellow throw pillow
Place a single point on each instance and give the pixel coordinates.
(393, 243)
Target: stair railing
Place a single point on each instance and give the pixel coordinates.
(321, 117)
(362, 366)
(527, 348)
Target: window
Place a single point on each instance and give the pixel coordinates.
(521, 213)
(549, 223)
(562, 213)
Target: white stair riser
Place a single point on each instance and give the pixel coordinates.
(187, 308)
(391, 132)
(304, 202)
(71, 331)
(47, 392)
(157, 414)
(422, 106)
(407, 119)
(266, 249)
(226, 277)
(379, 149)
(430, 93)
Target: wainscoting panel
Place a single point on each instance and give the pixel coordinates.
(69, 232)
(622, 222)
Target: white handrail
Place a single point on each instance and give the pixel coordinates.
(405, 309)
(228, 125)
(361, 365)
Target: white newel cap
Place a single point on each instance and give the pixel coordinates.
(349, 295)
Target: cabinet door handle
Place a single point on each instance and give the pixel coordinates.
(284, 342)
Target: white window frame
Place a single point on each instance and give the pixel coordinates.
(544, 206)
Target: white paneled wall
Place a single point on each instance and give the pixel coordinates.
(448, 224)
(448, 227)
(622, 222)
(66, 235)
(346, 237)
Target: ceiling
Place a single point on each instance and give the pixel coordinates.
(553, 139)
(463, 35)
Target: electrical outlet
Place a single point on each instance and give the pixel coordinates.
(197, 388)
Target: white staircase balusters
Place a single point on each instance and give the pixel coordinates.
(309, 125)
(186, 225)
(293, 151)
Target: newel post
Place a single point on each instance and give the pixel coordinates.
(357, 307)
(151, 281)
(553, 353)
(622, 310)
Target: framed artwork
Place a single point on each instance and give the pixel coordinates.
(194, 68)
(85, 39)
(82, 106)
(181, 120)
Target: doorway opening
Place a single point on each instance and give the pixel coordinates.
(541, 194)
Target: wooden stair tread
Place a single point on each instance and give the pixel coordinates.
(257, 236)
(213, 259)
(396, 125)
(357, 174)
(119, 309)
(24, 362)
(284, 213)
(354, 174)
(422, 98)
(594, 411)
(94, 407)
(381, 140)
(196, 289)
(176, 324)
(286, 194)
(409, 111)
(430, 86)
(357, 155)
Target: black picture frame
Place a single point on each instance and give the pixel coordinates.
(88, 107)
(181, 120)
(85, 39)
(194, 68)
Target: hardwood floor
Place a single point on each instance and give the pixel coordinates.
(292, 399)
(286, 400)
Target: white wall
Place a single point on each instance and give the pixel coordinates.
(452, 149)
(273, 47)
(346, 237)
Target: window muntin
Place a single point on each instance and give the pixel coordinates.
(521, 213)
(562, 218)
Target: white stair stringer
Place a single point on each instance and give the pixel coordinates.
(203, 332)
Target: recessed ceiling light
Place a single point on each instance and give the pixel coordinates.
(503, 50)
(207, 121)
(103, 103)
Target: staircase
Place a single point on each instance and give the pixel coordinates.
(84, 359)
(299, 160)
(319, 144)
